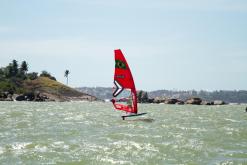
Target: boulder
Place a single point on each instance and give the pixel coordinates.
(29, 96)
(150, 100)
(8, 99)
(3, 95)
(14, 96)
(158, 100)
(219, 102)
(171, 101)
(180, 102)
(206, 103)
(40, 97)
(25, 97)
(20, 98)
(194, 100)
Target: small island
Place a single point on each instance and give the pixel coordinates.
(17, 84)
(144, 98)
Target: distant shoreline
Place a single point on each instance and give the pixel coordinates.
(228, 96)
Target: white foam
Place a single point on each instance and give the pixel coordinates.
(136, 145)
(1, 150)
(19, 146)
(112, 161)
(41, 148)
(150, 147)
(234, 121)
(58, 143)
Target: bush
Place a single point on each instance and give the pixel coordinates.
(48, 75)
(32, 76)
(7, 86)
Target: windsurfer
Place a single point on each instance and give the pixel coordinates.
(129, 102)
(113, 101)
(123, 80)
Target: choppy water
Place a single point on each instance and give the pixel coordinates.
(92, 133)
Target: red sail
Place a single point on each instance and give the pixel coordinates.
(123, 80)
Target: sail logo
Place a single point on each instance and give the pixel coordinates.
(120, 64)
(119, 76)
(118, 89)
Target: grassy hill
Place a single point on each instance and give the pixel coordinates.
(17, 84)
(55, 90)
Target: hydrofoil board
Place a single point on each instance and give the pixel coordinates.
(132, 115)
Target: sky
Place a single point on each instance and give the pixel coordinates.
(169, 44)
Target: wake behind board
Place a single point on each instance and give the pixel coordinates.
(133, 115)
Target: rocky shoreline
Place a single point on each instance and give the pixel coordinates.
(193, 101)
(37, 97)
(42, 97)
(47, 97)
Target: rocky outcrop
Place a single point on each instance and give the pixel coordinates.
(180, 102)
(6, 96)
(194, 100)
(25, 97)
(158, 100)
(174, 101)
(219, 102)
(150, 100)
(206, 103)
(20, 98)
(43, 97)
(171, 101)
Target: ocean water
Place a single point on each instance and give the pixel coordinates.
(93, 133)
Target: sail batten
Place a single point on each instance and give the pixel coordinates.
(123, 80)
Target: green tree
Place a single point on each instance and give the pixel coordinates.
(139, 96)
(8, 71)
(66, 74)
(145, 97)
(14, 67)
(44, 73)
(2, 73)
(24, 67)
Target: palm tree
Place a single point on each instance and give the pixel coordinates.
(66, 74)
